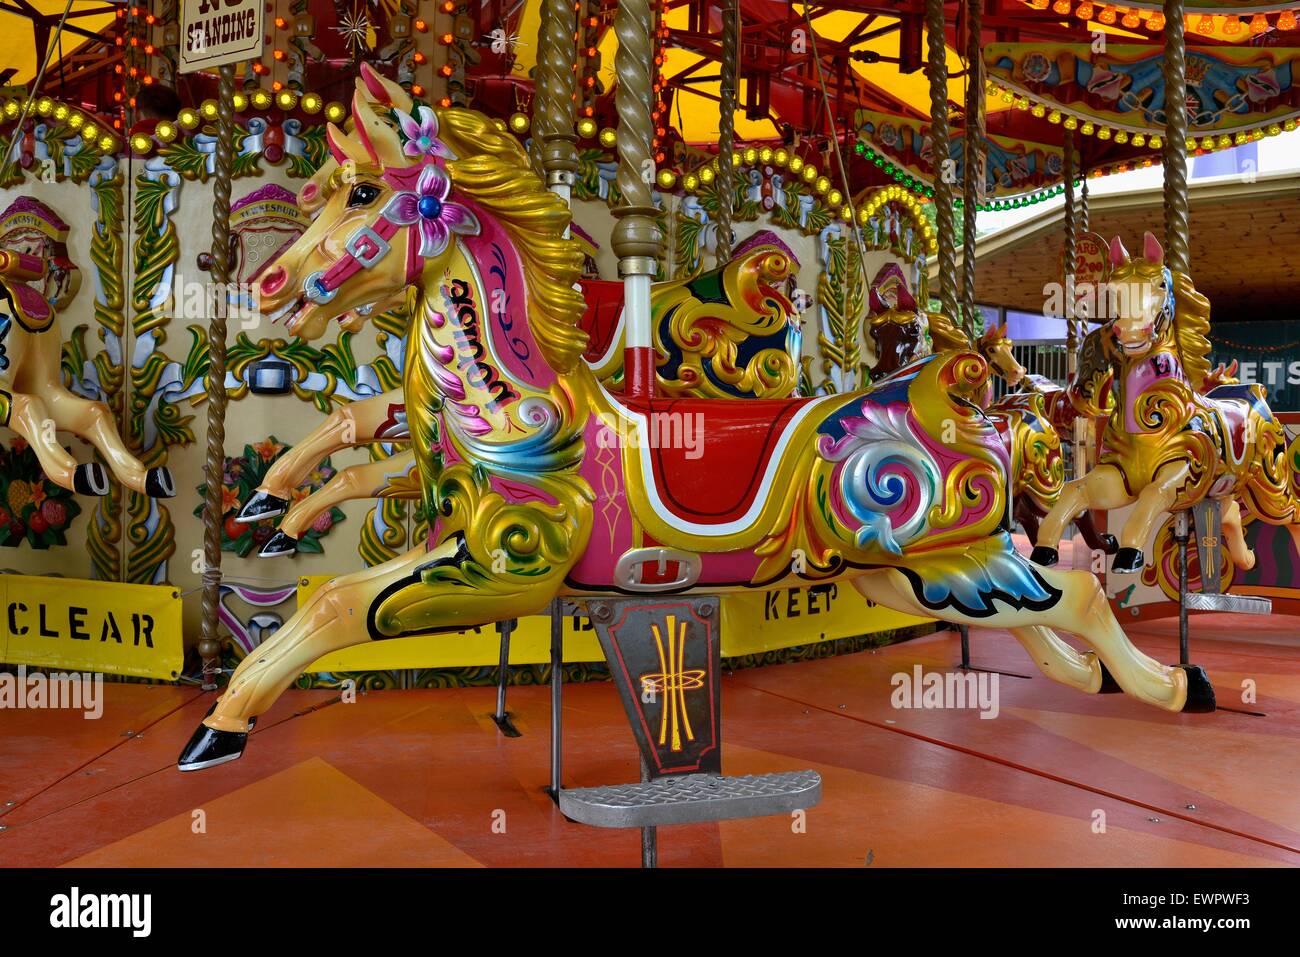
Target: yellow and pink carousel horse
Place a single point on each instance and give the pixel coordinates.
(1173, 437)
(729, 333)
(37, 282)
(543, 482)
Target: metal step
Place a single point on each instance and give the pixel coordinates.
(1241, 604)
(691, 798)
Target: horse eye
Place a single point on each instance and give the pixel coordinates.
(363, 194)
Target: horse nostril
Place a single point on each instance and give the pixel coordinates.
(274, 281)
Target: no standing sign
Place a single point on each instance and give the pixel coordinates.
(215, 32)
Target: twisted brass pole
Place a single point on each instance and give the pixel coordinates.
(553, 97)
(937, 68)
(973, 182)
(727, 127)
(1071, 330)
(636, 238)
(209, 643)
(1175, 151)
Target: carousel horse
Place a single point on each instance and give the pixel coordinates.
(32, 395)
(1168, 442)
(1023, 419)
(542, 482)
(729, 333)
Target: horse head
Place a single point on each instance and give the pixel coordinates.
(382, 213)
(996, 348)
(1140, 297)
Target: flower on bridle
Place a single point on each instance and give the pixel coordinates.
(421, 136)
(427, 206)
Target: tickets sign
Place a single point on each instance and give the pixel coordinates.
(215, 32)
(105, 627)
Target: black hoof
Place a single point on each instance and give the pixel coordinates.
(1109, 544)
(1127, 561)
(158, 483)
(261, 505)
(1042, 555)
(1108, 683)
(278, 544)
(208, 747)
(1200, 693)
(90, 479)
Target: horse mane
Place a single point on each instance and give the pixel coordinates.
(1191, 328)
(495, 173)
(945, 335)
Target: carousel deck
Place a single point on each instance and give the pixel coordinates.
(423, 778)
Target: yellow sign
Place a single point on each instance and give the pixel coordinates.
(752, 623)
(91, 626)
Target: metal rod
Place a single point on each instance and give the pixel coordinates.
(209, 646)
(727, 127)
(503, 669)
(964, 630)
(553, 102)
(974, 177)
(937, 70)
(1181, 536)
(557, 692)
(1175, 146)
(649, 835)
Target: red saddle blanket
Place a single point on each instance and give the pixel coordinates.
(711, 459)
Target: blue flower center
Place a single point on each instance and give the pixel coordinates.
(430, 207)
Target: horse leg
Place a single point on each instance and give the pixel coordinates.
(30, 418)
(1081, 609)
(1103, 487)
(1156, 498)
(93, 422)
(1095, 540)
(353, 424)
(1028, 514)
(1234, 538)
(370, 480)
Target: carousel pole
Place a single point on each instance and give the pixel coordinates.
(1176, 233)
(937, 69)
(1175, 147)
(636, 238)
(976, 148)
(553, 98)
(1071, 303)
(209, 643)
(727, 128)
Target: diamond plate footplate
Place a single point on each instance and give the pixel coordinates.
(691, 799)
(1241, 604)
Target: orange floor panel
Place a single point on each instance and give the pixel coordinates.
(423, 778)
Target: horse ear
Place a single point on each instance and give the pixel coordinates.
(379, 138)
(1152, 251)
(344, 147)
(381, 90)
(1118, 254)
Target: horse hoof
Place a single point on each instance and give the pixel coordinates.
(1127, 561)
(90, 479)
(261, 505)
(278, 544)
(1042, 555)
(209, 747)
(158, 483)
(1200, 693)
(1108, 683)
(1109, 544)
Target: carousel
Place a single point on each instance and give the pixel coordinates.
(425, 418)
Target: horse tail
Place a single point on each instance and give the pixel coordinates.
(1272, 491)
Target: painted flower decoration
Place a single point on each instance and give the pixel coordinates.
(436, 217)
(422, 135)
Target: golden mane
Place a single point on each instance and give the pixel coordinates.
(945, 336)
(496, 175)
(1191, 328)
